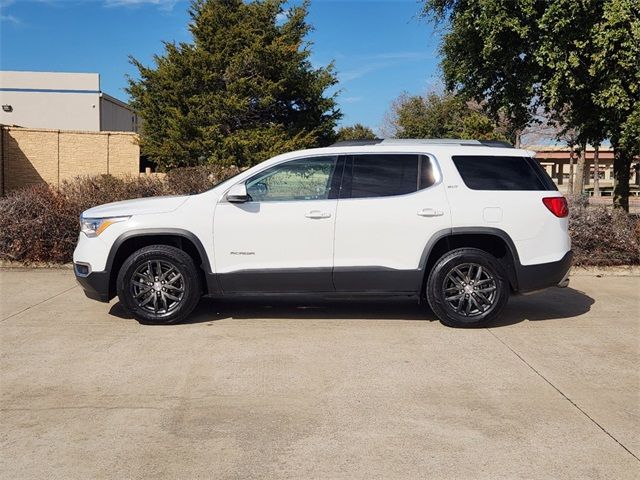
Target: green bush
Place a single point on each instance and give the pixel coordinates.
(40, 223)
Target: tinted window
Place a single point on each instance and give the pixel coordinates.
(303, 179)
(502, 173)
(384, 175)
(427, 172)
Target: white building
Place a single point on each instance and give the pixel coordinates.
(62, 101)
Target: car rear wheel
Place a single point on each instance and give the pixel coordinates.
(467, 287)
(159, 284)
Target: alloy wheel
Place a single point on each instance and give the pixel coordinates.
(157, 286)
(470, 289)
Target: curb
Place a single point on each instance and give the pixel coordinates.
(9, 265)
(618, 271)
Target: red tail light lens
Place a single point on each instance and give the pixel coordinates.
(557, 205)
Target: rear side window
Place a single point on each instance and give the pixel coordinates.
(484, 172)
(385, 175)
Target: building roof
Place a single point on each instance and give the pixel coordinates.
(49, 81)
(54, 82)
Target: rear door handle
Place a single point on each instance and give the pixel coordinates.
(317, 214)
(430, 212)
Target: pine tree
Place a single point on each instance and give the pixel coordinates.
(242, 91)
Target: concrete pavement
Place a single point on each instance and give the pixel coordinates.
(321, 390)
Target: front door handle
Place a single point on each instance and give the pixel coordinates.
(430, 212)
(317, 214)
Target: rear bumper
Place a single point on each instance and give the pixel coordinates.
(537, 277)
(95, 285)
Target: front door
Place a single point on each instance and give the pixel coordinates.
(281, 240)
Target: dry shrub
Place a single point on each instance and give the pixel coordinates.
(37, 224)
(183, 181)
(87, 192)
(602, 236)
(41, 223)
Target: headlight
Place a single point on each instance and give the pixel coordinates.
(92, 227)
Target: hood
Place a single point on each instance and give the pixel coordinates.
(139, 206)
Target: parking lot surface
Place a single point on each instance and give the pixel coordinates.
(259, 389)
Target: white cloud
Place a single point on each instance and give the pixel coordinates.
(162, 4)
(9, 19)
(282, 16)
(351, 99)
(366, 64)
(354, 73)
(400, 55)
(4, 18)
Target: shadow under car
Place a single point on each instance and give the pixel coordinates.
(549, 304)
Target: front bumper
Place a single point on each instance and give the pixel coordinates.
(544, 275)
(95, 284)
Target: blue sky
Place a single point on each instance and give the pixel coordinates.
(380, 48)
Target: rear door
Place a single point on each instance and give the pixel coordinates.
(390, 206)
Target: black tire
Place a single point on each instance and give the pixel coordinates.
(457, 297)
(159, 263)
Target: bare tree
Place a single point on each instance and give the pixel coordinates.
(596, 171)
(578, 185)
(542, 130)
(389, 127)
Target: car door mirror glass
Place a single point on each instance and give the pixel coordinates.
(238, 194)
(258, 190)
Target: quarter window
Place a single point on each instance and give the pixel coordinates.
(303, 179)
(486, 172)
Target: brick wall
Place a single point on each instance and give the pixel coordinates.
(29, 156)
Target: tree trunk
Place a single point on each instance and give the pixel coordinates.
(518, 137)
(578, 184)
(596, 171)
(621, 167)
(571, 162)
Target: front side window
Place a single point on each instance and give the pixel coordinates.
(302, 179)
(385, 175)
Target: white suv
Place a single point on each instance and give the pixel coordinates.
(460, 224)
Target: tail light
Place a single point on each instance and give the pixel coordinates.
(557, 205)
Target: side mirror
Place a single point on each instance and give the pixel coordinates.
(238, 194)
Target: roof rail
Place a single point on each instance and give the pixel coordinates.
(496, 143)
(357, 143)
(423, 141)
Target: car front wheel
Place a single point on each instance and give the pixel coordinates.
(159, 284)
(467, 287)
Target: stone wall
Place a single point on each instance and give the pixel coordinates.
(29, 156)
